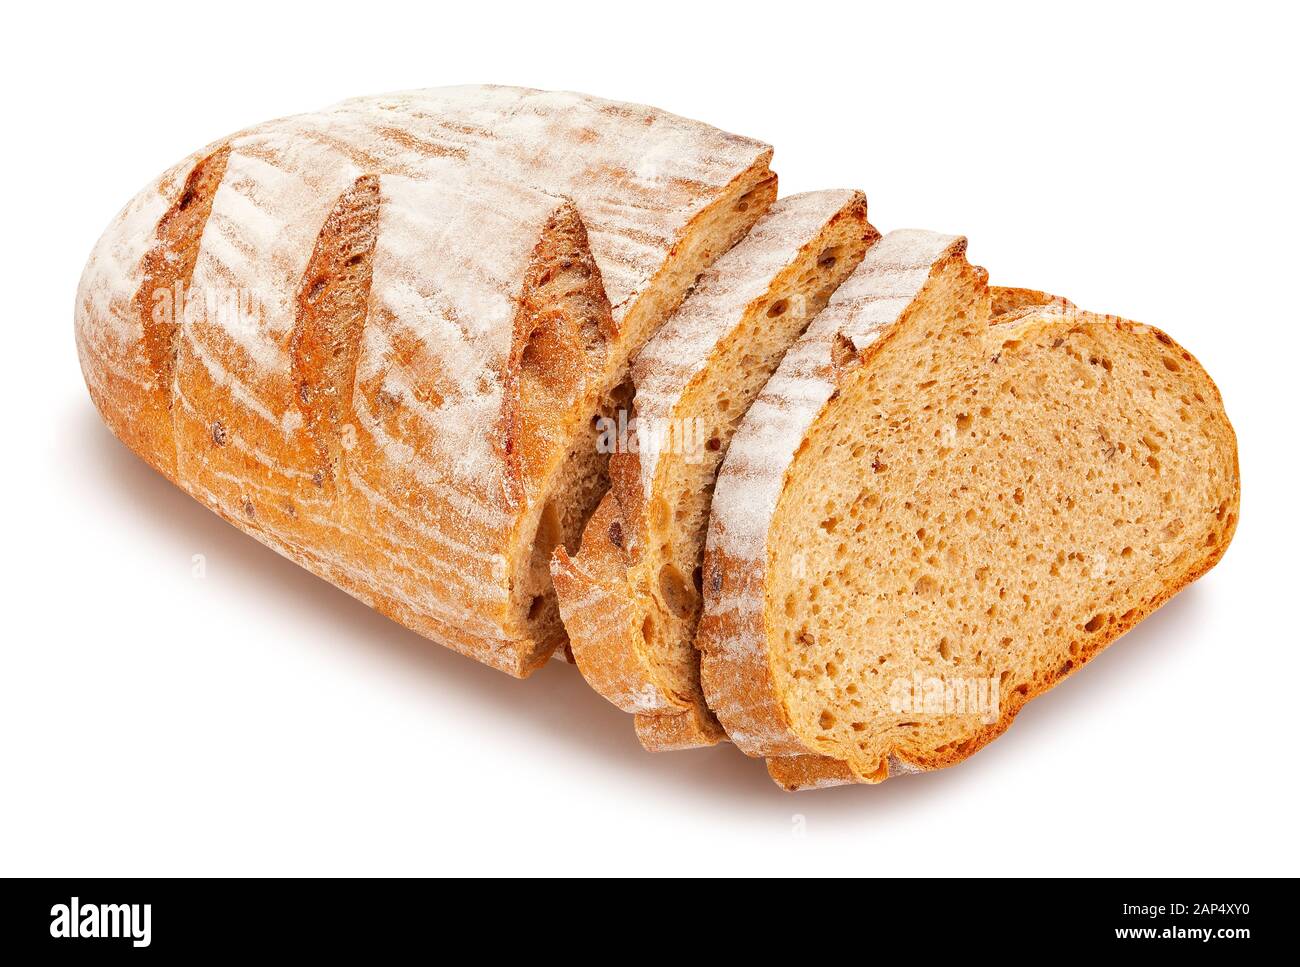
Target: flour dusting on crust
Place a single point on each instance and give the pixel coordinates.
(422, 519)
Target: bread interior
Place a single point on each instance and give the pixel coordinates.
(978, 512)
(667, 578)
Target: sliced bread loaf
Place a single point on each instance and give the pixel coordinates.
(631, 597)
(375, 337)
(926, 520)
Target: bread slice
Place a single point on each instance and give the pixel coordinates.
(375, 337)
(926, 520)
(630, 597)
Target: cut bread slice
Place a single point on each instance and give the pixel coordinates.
(630, 597)
(926, 520)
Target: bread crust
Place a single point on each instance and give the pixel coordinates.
(413, 468)
(695, 728)
(1006, 300)
(596, 605)
(125, 356)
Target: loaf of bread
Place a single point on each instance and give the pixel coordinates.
(376, 337)
(501, 362)
(630, 599)
(928, 519)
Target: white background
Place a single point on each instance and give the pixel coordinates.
(1139, 161)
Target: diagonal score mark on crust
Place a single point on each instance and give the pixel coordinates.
(558, 347)
(168, 268)
(559, 354)
(239, 436)
(331, 307)
(172, 257)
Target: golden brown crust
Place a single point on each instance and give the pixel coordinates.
(170, 262)
(742, 693)
(331, 307)
(798, 772)
(599, 572)
(130, 373)
(695, 728)
(1007, 299)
